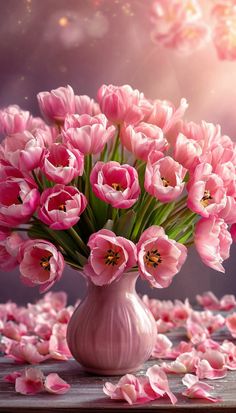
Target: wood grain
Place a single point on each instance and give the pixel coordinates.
(86, 393)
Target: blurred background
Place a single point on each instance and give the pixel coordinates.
(85, 43)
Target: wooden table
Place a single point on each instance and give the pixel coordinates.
(86, 393)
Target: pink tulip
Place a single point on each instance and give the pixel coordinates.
(85, 105)
(206, 192)
(122, 103)
(9, 250)
(110, 257)
(212, 241)
(30, 382)
(164, 179)
(40, 264)
(169, 14)
(61, 206)
(223, 160)
(115, 184)
(55, 385)
(159, 258)
(61, 163)
(140, 140)
(88, 134)
(55, 105)
(37, 123)
(188, 37)
(163, 114)
(224, 38)
(13, 120)
(228, 213)
(23, 150)
(18, 201)
(206, 134)
(187, 152)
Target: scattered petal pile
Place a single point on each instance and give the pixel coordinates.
(37, 333)
(32, 380)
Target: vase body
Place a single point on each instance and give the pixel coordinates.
(112, 332)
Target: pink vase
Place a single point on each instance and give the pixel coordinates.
(112, 332)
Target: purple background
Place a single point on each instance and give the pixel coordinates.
(106, 41)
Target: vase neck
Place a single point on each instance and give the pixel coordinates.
(125, 283)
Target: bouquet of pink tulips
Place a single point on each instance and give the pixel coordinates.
(110, 187)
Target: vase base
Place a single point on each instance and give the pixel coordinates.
(114, 372)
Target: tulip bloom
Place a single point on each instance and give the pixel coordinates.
(187, 152)
(142, 139)
(40, 264)
(115, 184)
(18, 201)
(121, 103)
(61, 206)
(55, 105)
(109, 258)
(159, 258)
(206, 192)
(88, 134)
(61, 163)
(164, 178)
(14, 120)
(212, 241)
(9, 250)
(163, 114)
(23, 150)
(85, 105)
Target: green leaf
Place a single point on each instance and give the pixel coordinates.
(124, 224)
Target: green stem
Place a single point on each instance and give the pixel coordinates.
(122, 149)
(113, 155)
(103, 154)
(183, 226)
(38, 182)
(139, 221)
(78, 240)
(114, 214)
(61, 242)
(88, 168)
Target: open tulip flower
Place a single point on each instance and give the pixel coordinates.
(118, 185)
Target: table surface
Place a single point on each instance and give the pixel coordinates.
(86, 394)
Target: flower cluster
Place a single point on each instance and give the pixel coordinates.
(113, 186)
(181, 25)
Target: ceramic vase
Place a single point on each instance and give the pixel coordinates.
(112, 332)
